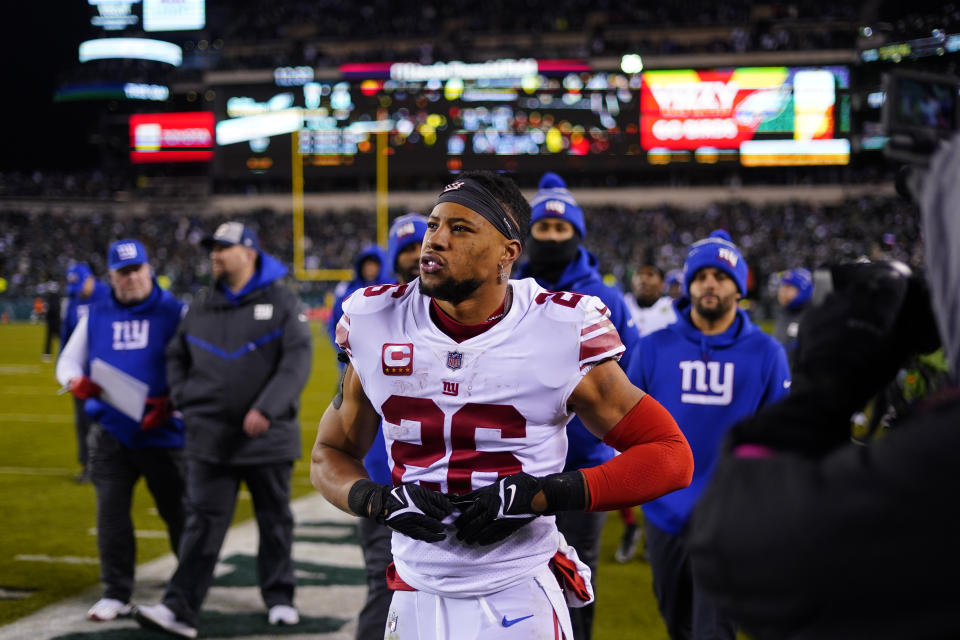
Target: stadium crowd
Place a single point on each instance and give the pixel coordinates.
(774, 237)
(328, 34)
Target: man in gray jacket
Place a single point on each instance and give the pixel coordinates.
(236, 368)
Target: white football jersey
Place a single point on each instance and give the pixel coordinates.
(653, 318)
(457, 416)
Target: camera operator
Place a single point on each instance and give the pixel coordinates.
(803, 534)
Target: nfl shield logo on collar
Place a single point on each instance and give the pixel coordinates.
(454, 360)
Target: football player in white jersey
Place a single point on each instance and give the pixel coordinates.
(475, 378)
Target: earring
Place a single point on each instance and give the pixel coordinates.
(499, 273)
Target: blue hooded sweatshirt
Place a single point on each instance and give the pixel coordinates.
(707, 383)
(78, 307)
(582, 276)
(269, 269)
(375, 461)
(344, 289)
(133, 339)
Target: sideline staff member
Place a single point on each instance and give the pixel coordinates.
(128, 330)
(403, 262)
(560, 262)
(237, 367)
(710, 368)
(83, 291)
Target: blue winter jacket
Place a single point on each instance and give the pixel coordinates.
(375, 462)
(344, 289)
(133, 339)
(582, 276)
(707, 383)
(78, 307)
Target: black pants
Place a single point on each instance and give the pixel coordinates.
(115, 470)
(582, 531)
(687, 612)
(211, 498)
(375, 543)
(52, 333)
(82, 423)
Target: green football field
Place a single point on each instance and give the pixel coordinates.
(47, 537)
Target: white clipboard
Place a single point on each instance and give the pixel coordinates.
(126, 394)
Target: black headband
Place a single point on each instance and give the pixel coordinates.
(475, 196)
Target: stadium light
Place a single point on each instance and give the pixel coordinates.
(631, 63)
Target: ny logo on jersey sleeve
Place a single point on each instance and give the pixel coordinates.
(129, 335)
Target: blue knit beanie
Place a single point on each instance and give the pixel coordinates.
(405, 230)
(554, 201)
(802, 279)
(718, 251)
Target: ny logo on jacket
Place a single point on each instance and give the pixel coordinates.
(705, 383)
(129, 335)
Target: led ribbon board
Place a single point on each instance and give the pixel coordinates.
(135, 48)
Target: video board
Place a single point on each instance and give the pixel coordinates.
(531, 116)
(757, 116)
(528, 119)
(171, 137)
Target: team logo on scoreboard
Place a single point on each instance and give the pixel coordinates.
(397, 359)
(454, 360)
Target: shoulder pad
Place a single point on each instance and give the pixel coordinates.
(567, 306)
(376, 298)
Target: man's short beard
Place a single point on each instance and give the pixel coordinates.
(645, 302)
(450, 290)
(408, 275)
(714, 313)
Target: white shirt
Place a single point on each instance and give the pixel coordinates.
(653, 318)
(75, 354)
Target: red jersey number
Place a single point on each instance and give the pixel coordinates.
(464, 457)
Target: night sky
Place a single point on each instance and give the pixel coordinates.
(39, 40)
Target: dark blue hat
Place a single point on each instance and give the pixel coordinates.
(77, 274)
(124, 253)
(405, 230)
(718, 251)
(802, 279)
(554, 201)
(231, 233)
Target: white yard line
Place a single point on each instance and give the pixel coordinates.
(138, 533)
(35, 471)
(32, 390)
(36, 417)
(23, 557)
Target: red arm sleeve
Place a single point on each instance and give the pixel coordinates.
(655, 459)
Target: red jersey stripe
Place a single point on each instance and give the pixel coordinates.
(603, 324)
(599, 345)
(343, 334)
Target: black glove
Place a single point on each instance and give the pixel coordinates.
(496, 511)
(409, 508)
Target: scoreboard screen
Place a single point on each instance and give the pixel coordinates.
(530, 116)
(171, 137)
(759, 116)
(532, 123)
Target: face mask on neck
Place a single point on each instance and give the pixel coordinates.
(552, 253)
(549, 259)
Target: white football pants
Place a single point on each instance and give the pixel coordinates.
(532, 610)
